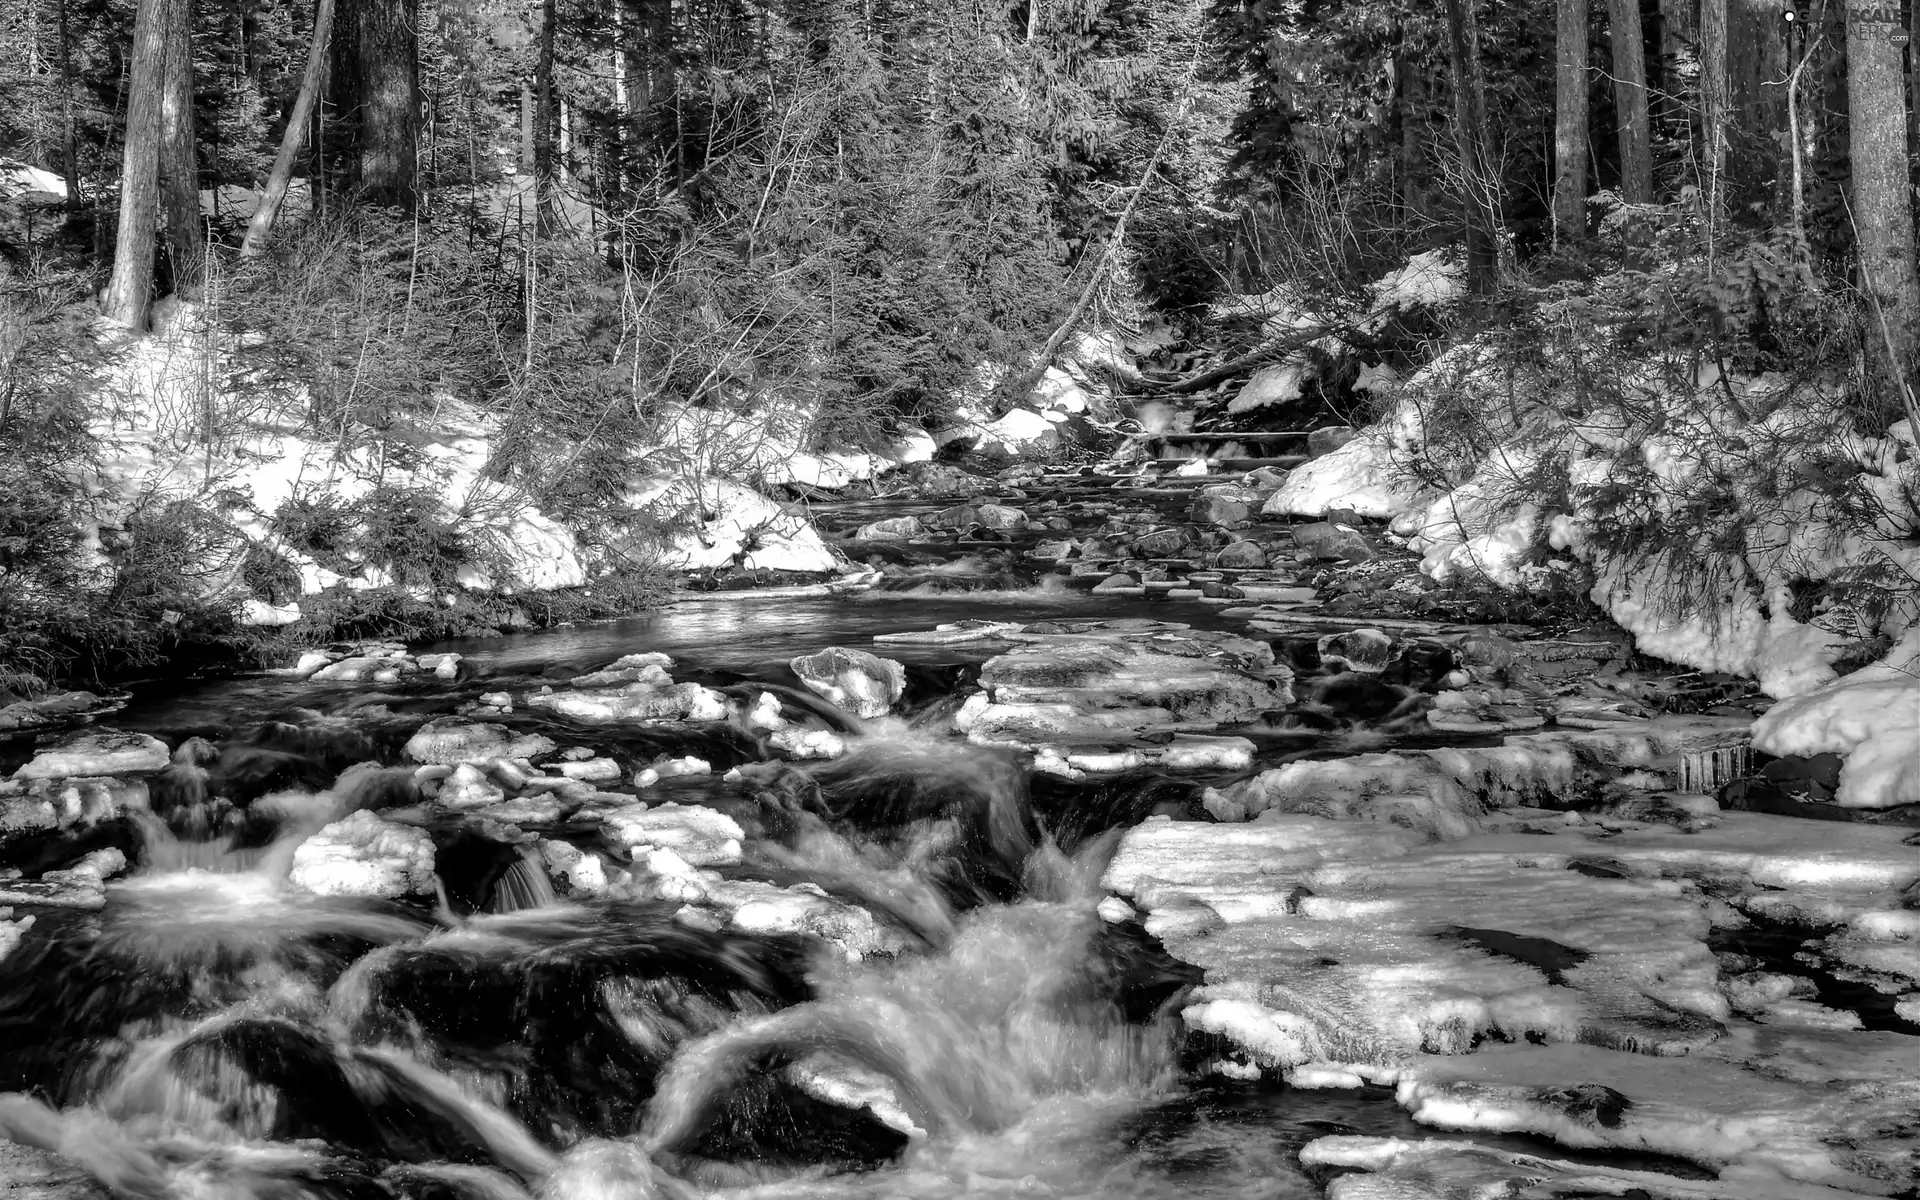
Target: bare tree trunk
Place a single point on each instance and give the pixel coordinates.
(376, 92)
(179, 179)
(260, 227)
(1713, 97)
(1570, 121)
(543, 164)
(1480, 192)
(526, 128)
(1630, 102)
(131, 285)
(1881, 197)
(69, 142)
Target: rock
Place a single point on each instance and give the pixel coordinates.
(674, 768)
(1367, 650)
(1324, 539)
(453, 741)
(1002, 517)
(699, 836)
(1095, 688)
(1325, 441)
(592, 770)
(1243, 555)
(574, 872)
(311, 661)
(863, 684)
(363, 670)
(1223, 506)
(1264, 481)
(469, 787)
(1116, 583)
(363, 855)
(892, 529)
(97, 752)
(636, 702)
(1162, 543)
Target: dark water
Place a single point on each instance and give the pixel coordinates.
(212, 1033)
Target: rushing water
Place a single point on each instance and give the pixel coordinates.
(211, 1033)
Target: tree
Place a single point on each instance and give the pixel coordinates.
(1630, 102)
(1714, 98)
(1570, 121)
(375, 92)
(1881, 204)
(260, 227)
(1479, 186)
(179, 179)
(131, 285)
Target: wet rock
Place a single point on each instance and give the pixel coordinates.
(891, 529)
(40, 804)
(1162, 543)
(1367, 650)
(56, 709)
(97, 752)
(1001, 517)
(1325, 539)
(1223, 505)
(452, 741)
(573, 871)
(700, 837)
(1117, 583)
(1326, 440)
(363, 669)
(636, 702)
(364, 855)
(863, 684)
(1086, 688)
(1242, 555)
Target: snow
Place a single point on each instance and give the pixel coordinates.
(1872, 717)
(364, 855)
(97, 752)
(20, 181)
(734, 525)
(699, 836)
(1366, 476)
(1282, 383)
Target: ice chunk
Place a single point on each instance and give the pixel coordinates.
(363, 855)
(97, 752)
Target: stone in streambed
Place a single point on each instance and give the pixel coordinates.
(1162, 543)
(1365, 650)
(699, 836)
(636, 702)
(97, 752)
(1243, 556)
(1322, 442)
(891, 529)
(1222, 507)
(863, 684)
(452, 741)
(364, 855)
(1324, 539)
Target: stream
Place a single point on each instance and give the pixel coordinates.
(960, 1009)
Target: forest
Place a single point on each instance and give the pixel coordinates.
(580, 223)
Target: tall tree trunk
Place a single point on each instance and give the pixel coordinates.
(376, 92)
(1410, 109)
(1480, 191)
(131, 285)
(526, 127)
(260, 227)
(1630, 102)
(1570, 121)
(543, 158)
(69, 142)
(1713, 98)
(1881, 195)
(179, 178)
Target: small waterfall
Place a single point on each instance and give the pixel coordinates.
(523, 885)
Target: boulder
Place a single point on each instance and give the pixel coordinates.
(1324, 539)
(1367, 650)
(1117, 583)
(1162, 543)
(363, 669)
(1221, 510)
(1242, 555)
(1002, 517)
(363, 855)
(892, 529)
(97, 752)
(863, 684)
(452, 741)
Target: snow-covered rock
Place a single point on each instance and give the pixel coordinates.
(701, 837)
(452, 740)
(364, 855)
(733, 525)
(1872, 717)
(863, 684)
(97, 752)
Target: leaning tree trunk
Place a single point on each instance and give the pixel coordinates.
(375, 90)
(260, 227)
(1880, 195)
(1480, 191)
(179, 181)
(1570, 121)
(131, 285)
(1630, 102)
